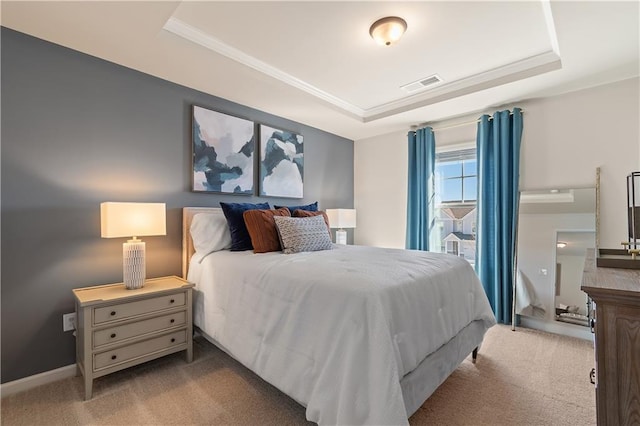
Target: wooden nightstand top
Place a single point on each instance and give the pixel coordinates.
(117, 292)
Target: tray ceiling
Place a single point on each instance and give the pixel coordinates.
(314, 62)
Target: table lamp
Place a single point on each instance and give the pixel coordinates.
(119, 220)
(341, 218)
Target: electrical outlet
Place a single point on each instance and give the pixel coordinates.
(69, 322)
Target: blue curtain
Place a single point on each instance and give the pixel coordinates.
(422, 161)
(498, 174)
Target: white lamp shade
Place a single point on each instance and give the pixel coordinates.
(119, 220)
(341, 218)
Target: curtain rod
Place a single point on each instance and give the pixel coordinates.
(464, 123)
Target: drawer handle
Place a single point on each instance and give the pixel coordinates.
(113, 313)
(173, 339)
(113, 357)
(113, 335)
(171, 301)
(172, 320)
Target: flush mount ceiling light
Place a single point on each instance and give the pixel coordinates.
(388, 30)
(561, 244)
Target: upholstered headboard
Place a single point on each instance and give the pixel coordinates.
(187, 244)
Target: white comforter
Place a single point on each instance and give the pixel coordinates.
(337, 329)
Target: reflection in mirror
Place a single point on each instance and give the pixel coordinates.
(570, 301)
(545, 218)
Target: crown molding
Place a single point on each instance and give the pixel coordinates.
(547, 197)
(197, 36)
(513, 71)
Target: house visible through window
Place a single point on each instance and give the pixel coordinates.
(456, 190)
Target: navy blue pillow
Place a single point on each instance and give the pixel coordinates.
(240, 239)
(313, 207)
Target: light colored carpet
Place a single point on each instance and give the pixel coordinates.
(521, 378)
(524, 377)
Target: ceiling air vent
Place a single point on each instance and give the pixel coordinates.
(421, 84)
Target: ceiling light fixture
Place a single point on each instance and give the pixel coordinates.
(388, 30)
(561, 244)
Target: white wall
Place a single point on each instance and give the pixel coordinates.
(565, 138)
(380, 190)
(570, 281)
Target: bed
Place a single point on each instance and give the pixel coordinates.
(358, 335)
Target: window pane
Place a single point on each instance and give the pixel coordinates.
(470, 167)
(438, 192)
(449, 169)
(437, 188)
(470, 188)
(451, 190)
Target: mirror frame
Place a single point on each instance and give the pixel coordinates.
(515, 256)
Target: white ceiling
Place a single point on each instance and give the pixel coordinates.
(314, 62)
(558, 201)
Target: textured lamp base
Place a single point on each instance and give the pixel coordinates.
(133, 266)
(341, 236)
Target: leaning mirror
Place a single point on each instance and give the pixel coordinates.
(555, 229)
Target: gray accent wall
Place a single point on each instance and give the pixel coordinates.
(76, 131)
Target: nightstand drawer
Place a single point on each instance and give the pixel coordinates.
(121, 332)
(125, 310)
(146, 347)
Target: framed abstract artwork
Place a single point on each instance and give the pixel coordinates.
(223, 153)
(281, 163)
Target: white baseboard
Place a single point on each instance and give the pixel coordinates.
(30, 382)
(557, 327)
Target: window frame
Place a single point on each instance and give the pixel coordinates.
(437, 238)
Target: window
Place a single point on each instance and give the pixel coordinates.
(456, 176)
(456, 193)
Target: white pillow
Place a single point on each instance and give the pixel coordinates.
(209, 232)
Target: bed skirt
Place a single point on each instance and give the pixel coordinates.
(418, 385)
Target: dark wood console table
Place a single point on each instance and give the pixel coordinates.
(616, 293)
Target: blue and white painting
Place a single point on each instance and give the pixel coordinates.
(281, 163)
(223, 148)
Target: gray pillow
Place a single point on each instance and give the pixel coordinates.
(298, 234)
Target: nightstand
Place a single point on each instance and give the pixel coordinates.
(119, 328)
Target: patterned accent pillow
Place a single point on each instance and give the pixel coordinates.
(307, 213)
(299, 234)
(262, 229)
